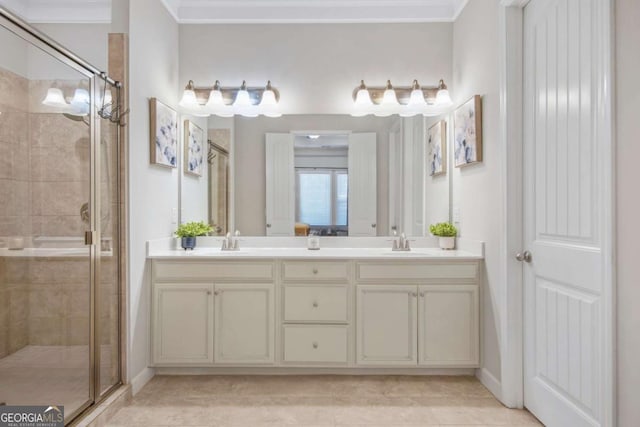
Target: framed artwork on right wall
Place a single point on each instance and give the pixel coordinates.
(467, 141)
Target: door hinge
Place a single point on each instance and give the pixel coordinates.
(88, 237)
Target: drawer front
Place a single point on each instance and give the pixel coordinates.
(165, 270)
(315, 344)
(304, 270)
(322, 303)
(467, 271)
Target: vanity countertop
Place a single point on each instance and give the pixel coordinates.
(303, 253)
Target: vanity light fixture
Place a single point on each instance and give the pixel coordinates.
(405, 101)
(229, 101)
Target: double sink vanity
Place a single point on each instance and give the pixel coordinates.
(275, 304)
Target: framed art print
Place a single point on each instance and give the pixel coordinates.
(468, 132)
(194, 144)
(437, 148)
(163, 134)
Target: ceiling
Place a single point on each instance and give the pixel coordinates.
(250, 11)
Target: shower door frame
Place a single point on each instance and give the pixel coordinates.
(95, 77)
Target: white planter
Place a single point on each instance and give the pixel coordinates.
(447, 243)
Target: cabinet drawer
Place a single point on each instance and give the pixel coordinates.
(322, 344)
(410, 271)
(304, 270)
(321, 303)
(166, 270)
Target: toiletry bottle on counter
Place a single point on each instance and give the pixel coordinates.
(313, 242)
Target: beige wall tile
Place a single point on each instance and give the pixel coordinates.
(46, 303)
(13, 91)
(46, 331)
(58, 198)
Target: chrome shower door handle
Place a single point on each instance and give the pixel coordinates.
(524, 256)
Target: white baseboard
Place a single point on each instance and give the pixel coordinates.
(490, 382)
(141, 380)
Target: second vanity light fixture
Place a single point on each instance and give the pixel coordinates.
(405, 101)
(229, 101)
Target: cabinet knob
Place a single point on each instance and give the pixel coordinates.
(414, 294)
(315, 344)
(268, 225)
(315, 271)
(422, 294)
(315, 304)
(216, 292)
(208, 292)
(374, 225)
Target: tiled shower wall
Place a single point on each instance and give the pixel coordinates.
(15, 206)
(44, 181)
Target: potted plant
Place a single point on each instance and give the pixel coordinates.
(190, 230)
(446, 233)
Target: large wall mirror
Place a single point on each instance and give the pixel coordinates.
(330, 175)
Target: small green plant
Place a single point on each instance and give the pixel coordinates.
(193, 229)
(443, 229)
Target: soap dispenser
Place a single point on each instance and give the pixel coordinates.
(313, 242)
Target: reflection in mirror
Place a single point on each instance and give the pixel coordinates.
(331, 175)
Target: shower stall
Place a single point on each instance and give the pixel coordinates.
(60, 225)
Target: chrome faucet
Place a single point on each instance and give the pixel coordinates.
(400, 243)
(231, 243)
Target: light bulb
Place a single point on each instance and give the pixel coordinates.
(389, 104)
(242, 104)
(55, 98)
(216, 105)
(362, 104)
(443, 99)
(269, 104)
(189, 99)
(416, 104)
(80, 102)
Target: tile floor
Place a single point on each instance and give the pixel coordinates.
(45, 375)
(317, 401)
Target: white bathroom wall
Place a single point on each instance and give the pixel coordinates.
(628, 208)
(475, 195)
(153, 193)
(316, 67)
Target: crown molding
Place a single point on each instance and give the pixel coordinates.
(61, 11)
(312, 11)
(459, 7)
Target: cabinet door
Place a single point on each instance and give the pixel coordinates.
(386, 325)
(182, 323)
(449, 325)
(244, 324)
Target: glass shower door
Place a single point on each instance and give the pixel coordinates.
(46, 199)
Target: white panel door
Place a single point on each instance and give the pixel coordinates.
(281, 185)
(448, 325)
(565, 211)
(244, 323)
(362, 185)
(386, 325)
(182, 323)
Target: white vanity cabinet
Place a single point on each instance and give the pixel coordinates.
(387, 324)
(316, 312)
(182, 323)
(208, 313)
(424, 314)
(244, 323)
